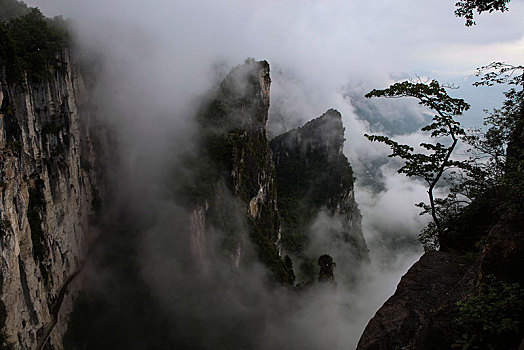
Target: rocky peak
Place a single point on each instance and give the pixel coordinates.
(324, 134)
(236, 169)
(242, 100)
(315, 181)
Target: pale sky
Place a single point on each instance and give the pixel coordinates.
(408, 34)
(328, 42)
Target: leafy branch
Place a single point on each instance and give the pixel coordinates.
(466, 8)
(500, 73)
(431, 164)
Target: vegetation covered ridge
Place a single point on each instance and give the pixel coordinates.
(31, 45)
(314, 175)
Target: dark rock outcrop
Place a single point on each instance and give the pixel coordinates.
(426, 287)
(327, 267)
(315, 184)
(424, 311)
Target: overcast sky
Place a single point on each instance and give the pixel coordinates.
(404, 35)
(327, 42)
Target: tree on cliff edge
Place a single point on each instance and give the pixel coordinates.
(435, 158)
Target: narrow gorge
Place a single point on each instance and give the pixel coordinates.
(155, 196)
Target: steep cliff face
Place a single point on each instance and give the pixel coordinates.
(233, 188)
(48, 190)
(470, 294)
(456, 299)
(427, 286)
(315, 183)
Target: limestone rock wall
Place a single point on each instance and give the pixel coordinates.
(48, 196)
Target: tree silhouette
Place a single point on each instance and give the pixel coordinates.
(431, 163)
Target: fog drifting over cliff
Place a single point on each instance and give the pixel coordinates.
(156, 60)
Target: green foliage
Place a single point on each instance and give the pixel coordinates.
(466, 8)
(312, 175)
(8, 56)
(266, 249)
(431, 95)
(491, 182)
(305, 184)
(264, 230)
(11, 9)
(489, 148)
(430, 164)
(513, 115)
(493, 319)
(472, 180)
(297, 205)
(237, 156)
(499, 73)
(428, 237)
(231, 141)
(33, 44)
(495, 165)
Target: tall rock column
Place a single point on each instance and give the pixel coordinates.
(235, 173)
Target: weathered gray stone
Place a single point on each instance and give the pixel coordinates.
(42, 140)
